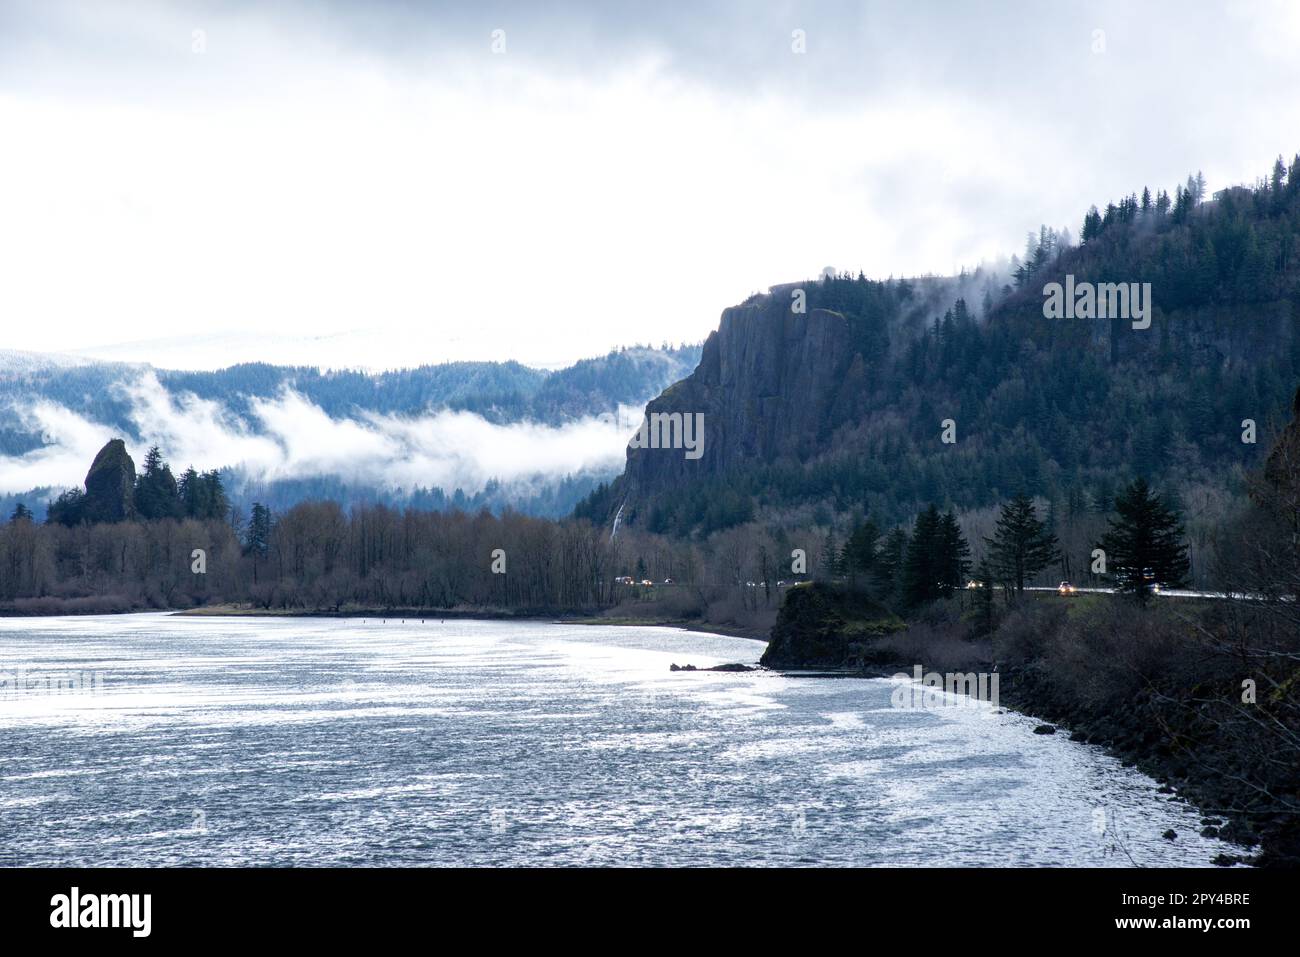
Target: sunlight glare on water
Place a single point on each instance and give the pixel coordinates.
(298, 741)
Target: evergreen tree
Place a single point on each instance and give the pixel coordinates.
(191, 490)
(156, 494)
(202, 495)
(257, 536)
(954, 555)
(1021, 545)
(67, 509)
(1091, 225)
(887, 573)
(218, 505)
(860, 551)
(923, 567)
(1144, 546)
(832, 558)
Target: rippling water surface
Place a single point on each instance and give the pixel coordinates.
(242, 741)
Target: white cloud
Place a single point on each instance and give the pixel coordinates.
(371, 186)
(294, 438)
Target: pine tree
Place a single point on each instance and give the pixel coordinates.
(68, 509)
(1091, 225)
(886, 575)
(191, 491)
(1144, 546)
(923, 566)
(156, 494)
(832, 557)
(860, 551)
(1021, 545)
(218, 505)
(257, 536)
(954, 555)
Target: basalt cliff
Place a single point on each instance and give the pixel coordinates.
(846, 393)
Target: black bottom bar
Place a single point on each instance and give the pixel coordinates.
(332, 906)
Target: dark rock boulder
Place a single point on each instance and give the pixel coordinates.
(822, 626)
(110, 485)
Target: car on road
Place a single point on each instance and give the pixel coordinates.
(1122, 580)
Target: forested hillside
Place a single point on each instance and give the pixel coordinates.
(843, 407)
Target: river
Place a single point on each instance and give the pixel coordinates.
(315, 741)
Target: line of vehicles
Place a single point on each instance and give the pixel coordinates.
(1069, 588)
(1064, 588)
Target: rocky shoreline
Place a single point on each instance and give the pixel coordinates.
(1262, 839)
(1141, 738)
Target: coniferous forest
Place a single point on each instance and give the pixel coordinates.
(1068, 410)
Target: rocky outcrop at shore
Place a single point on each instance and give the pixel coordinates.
(826, 627)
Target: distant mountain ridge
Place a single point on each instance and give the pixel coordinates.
(500, 393)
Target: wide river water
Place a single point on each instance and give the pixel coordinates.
(273, 741)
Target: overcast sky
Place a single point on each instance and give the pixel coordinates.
(375, 185)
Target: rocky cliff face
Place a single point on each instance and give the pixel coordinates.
(772, 384)
(110, 485)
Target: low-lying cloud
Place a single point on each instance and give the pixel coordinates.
(291, 437)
